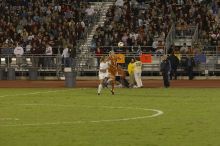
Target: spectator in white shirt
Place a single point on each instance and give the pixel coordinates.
(9, 42)
(90, 13)
(135, 35)
(119, 3)
(49, 50)
(18, 52)
(66, 57)
(155, 45)
(184, 49)
(30, 36)
(48, 58)
(28, 48)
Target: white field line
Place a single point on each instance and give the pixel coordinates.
(157, 113)
(33, 93)
(9, 119)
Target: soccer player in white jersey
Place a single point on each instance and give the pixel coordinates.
(103, 73)
(137, 73)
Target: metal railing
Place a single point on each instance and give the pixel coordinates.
(205, 61)
(195, 36)
(170, 37)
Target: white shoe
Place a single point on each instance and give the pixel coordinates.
(135, 86)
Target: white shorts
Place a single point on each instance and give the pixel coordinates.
(103, 75)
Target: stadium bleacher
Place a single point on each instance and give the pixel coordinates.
(143, 27)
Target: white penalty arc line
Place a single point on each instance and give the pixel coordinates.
(157, 113)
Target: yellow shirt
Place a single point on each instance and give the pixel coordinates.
(130, 68)
(178, 56)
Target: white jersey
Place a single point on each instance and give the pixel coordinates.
(18, 51)
(49, 50)
(103, 70)
(138, 66)
(65, 53)
(137, 73)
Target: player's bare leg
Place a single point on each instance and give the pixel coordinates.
(105, 82)
(100, 87)
(111, 81)
(113, 87)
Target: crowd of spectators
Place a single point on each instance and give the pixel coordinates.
(132, 23)
(35, 23)
(140, 24)
(145, 25)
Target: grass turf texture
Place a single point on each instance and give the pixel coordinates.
(191, 117)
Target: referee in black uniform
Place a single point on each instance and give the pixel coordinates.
(165, 68)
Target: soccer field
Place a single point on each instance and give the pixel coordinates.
(131, 117)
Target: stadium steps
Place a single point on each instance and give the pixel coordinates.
(104, 7)
(86, 61)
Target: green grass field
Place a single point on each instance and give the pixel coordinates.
(78, 117)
